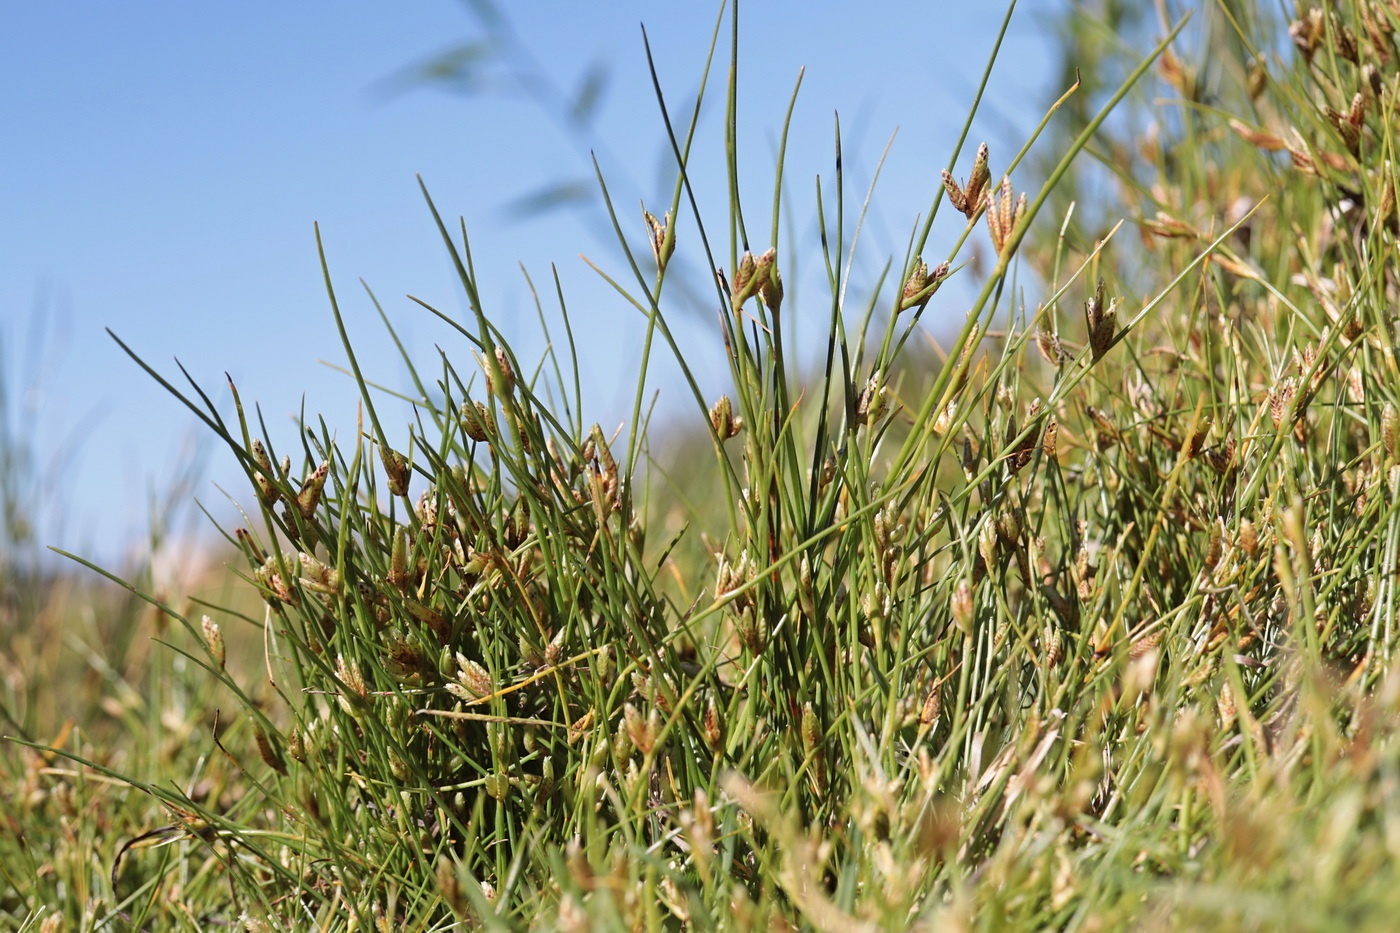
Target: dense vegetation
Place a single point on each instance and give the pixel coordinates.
(1090, 626)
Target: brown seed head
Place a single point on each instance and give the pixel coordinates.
(918, 276)
(969, 200)
(1348, 131)
(348, 673)
(475, 678)
(1052, 431)
(581, 727)
(398, 575)
(663, 242)
(1249, 538)
(811, 729)
(1197, 440)
(395, 469)
(771, 291)
(476, 421)
(1344, 41)
(1390, 434)
(213, 640)
(1107, 431)
(770, 281)
(873, 400)
(1279, 397)
(921, 285)
(969, 459)
(1256, 80)
(311, 488)
(977, 182)
(1307, 33)
(933, 704)
(507, 372)
(1052, 643)
(961, 606)
(828, 471)
(1216, 545)
(1050, 347)
(747, 279)
(1175, 74)
(1102, 319)
(1266, 141)
(316, 576)
(714, 736)
(956, 196)
(723, 420)
(1221, 457)
(946, 418)
(268, 491)
(268, 751)
(1004, 215)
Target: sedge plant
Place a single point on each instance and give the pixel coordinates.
(1088, 626)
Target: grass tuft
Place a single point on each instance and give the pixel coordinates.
(1089, 626)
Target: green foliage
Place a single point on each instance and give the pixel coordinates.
(1090, 627)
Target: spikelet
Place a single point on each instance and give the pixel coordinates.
(1307, 33)
(1279, 398)
(970, 199)
(1050, 347)
(268, 752)
(398, 575)
(268, 491)
(1344, 40)
(474, 682)
(946, 418)
(1052, 432)
(1390, 434)
(213, 640)
(1145, 644)
(450, 887)
(723, 419)
(873, 400)
(1225, 706)
(770, 287)
(933, 705)
(1196, 442)
(497, 787)
(310, 495)
(962, 607)
(506, 386)
(1259, 138)
(1004, 216)
(581, 727)
(1106, 430)
(395, 469)
(1052, 644)
(476, 421)
(642, 732)
(661, 238)
(753, 275)
(921, 285)
(1102, 319)
(918, 277)
(1249, 538)
(347, 671)
(714, 734)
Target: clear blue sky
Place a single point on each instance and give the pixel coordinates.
(163, 162)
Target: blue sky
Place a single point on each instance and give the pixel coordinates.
(163, 164)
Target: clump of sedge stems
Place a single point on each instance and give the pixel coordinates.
(1063, 632)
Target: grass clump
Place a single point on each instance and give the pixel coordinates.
(1089, 627)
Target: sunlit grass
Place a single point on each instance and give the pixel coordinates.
(1090, 627)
